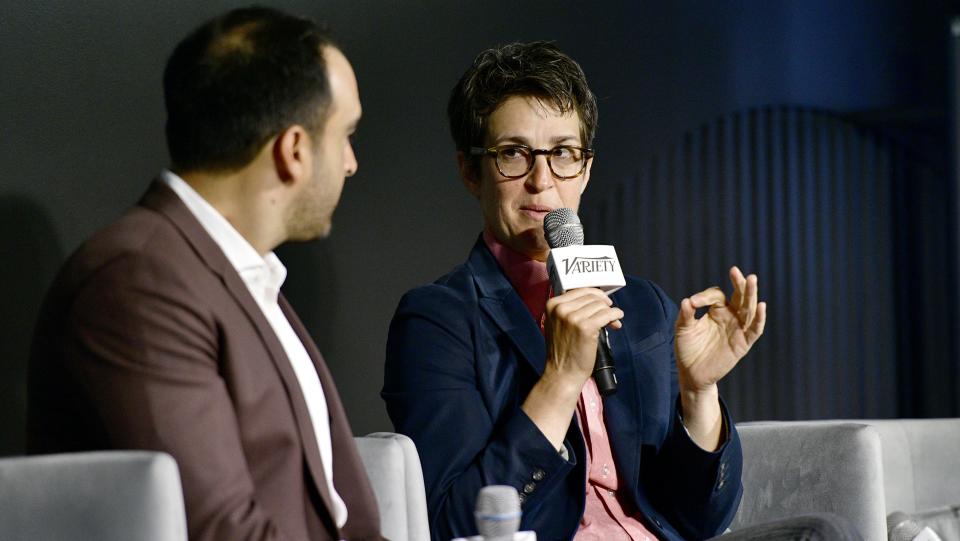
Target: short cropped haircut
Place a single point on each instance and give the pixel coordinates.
(240, 79)
(537, 69)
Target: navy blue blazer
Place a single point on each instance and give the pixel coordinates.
(462, 355)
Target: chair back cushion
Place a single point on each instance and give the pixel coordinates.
(806, 467)
(921, 463)
(104, 495)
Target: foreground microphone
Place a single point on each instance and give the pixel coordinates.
(498, 516)
(900, 527)
(572, 265)
(498, 512)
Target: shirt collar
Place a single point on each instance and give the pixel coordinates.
(267, 271)
(527, 276)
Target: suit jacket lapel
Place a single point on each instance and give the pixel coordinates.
(163, 200)
(503, 305)
(298, 404)
(349, 475)
(621, 410)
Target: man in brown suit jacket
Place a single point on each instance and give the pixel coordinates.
(166, 330)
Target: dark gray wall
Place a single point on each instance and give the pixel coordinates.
(81, 117)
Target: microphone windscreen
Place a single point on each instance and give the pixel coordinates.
(562, 228)
(498, 512)
(900, 527)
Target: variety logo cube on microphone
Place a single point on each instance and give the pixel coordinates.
(571, 264)
(585, 266)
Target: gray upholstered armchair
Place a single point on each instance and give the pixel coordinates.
(790, 470)
(856, 471)
(107, 496)
(859, 470)
(124, 495)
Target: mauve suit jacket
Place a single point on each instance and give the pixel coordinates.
(149, 339)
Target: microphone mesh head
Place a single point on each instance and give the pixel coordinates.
(900, 527)
(562, 228)
(498, 512)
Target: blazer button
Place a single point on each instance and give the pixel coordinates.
(539, 474)
(523, 498)
(529, 488)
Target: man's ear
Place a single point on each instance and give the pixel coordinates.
(292, 153)
(468, 174)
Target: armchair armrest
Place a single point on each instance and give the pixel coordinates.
(393, 466)
(809, 467)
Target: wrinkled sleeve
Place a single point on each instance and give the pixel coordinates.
(432, 395)
(696, 491)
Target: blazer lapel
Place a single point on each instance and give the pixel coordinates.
(503, 305)
(163, 200)
(621, 410)
(349, 474)
(298, 404)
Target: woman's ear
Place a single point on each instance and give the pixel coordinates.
(586, 176)
(468, 174)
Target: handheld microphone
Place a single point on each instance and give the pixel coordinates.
(900, 527)
(572, 265)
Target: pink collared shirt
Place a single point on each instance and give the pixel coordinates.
(608, 514)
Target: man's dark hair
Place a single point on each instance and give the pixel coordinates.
(537, 69)
(239, 80)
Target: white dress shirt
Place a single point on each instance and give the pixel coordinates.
(263, 277)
